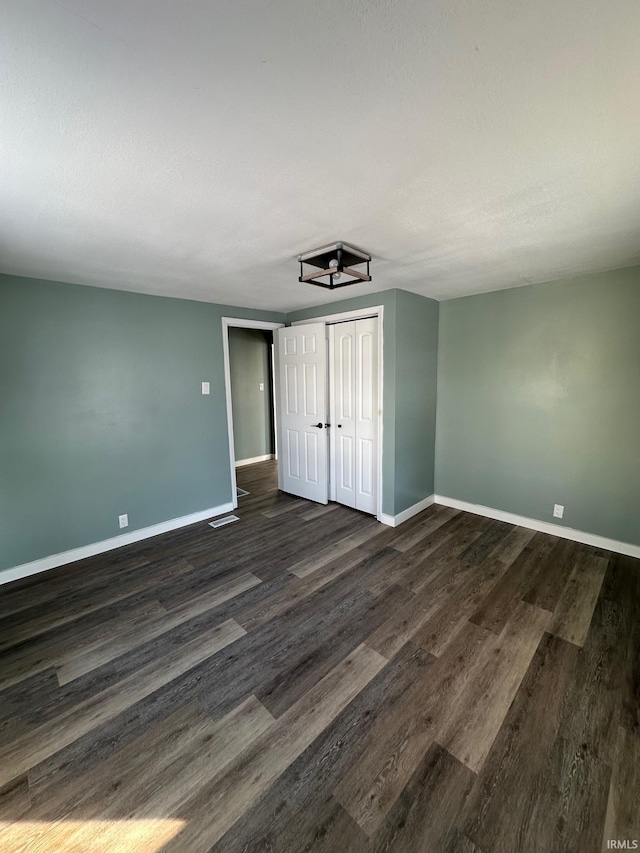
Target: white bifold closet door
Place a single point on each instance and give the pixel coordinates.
(353, 367)
(302, 371)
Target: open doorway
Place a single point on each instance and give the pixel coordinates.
(251, 374)
(249, 381)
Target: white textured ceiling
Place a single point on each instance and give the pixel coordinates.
(194, 147)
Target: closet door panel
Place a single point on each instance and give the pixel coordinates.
(302, 374)
(343, 412)
(366, 422)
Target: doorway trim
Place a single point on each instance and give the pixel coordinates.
(363, 314)
(239, 323)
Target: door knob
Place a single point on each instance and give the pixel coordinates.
(317, 426)
(339, 426)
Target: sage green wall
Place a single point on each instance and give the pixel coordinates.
(250, 366)
(410, 333)
(539, 402)
(415, 384)
(101, 413)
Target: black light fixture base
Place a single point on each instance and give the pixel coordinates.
(327, 284)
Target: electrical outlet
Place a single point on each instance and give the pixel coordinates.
(206, 388)
(262, 386)
(123, 520)
(558, 510)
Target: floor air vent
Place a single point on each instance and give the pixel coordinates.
(226, 519)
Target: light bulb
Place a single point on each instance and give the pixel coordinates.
(333, 262)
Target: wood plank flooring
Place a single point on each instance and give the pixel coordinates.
(310, 680)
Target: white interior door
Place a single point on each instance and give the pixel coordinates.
(354, 413)
(302, 370)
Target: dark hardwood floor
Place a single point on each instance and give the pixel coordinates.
(307, 679)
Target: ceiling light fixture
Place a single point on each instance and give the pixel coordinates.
(335, 266)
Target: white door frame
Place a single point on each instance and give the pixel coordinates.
(361, 314)
(238, 323)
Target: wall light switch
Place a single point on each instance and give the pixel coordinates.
(123, 520)
(262, 386)
(558, 510)
(206, 388)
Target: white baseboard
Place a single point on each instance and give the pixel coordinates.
(55, 560)
(405, 515)
(543, 526)
(253, 460)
